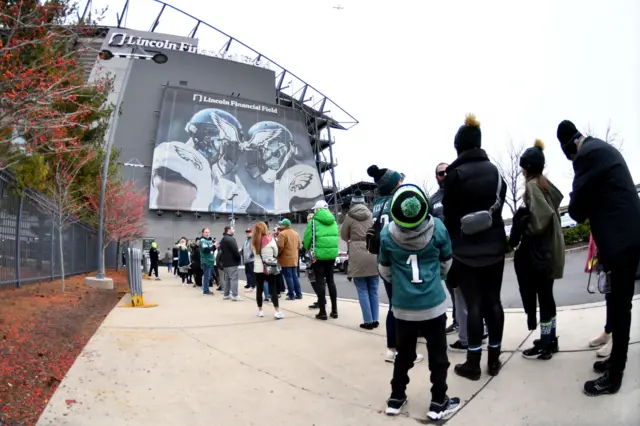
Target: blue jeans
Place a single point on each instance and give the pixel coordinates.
(266, 291)
(368, 297)
(206, 277)
(290, 275)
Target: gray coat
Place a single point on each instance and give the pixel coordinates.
(354, 229)
(435, 202)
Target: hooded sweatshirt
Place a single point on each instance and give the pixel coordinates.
(544, 220)
(354, 231)
(414, 261)
(326, 235)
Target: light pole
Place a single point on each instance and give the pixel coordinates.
(158, 58)
(232, 219)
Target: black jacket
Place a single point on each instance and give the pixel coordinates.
(175, 253)
(604, 193)
(195, 256)
(230, 255)
(435, 204)
(154, 255)
(470, 186)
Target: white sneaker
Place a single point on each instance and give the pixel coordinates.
(260, 314)
(236, 299)
(602, 339)
(605, 351)
(390, 357)
(278, 315)
(226, 298)
(419, 358)
(250, 290)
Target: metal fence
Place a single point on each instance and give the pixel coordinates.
(29, 241)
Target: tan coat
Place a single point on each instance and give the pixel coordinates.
(288, 248)
(354, 229)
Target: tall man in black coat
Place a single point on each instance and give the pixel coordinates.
(604, 193)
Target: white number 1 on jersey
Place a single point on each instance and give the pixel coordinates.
(415, 271)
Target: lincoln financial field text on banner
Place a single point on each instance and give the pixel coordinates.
(221, 154)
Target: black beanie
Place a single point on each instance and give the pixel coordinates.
(567, 132)
(532, 160)
(469, 135)
(386, 179)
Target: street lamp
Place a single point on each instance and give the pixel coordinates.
(158, 58)
(232, 219)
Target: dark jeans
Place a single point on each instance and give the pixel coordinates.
(323, 270)
(290, 274)
(272, 282)
(623, 273)
(175, 267)
(453, 302)
(481, 291)
(248, 271)
(434, 331)
(153, 268)
(197, 275)
(607, 325)
(390, 324)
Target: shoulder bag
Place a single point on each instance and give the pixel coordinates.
(476, 222)
(271, 267)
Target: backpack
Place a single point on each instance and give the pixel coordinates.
(372, 238)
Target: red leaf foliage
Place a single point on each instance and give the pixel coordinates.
(42, 331)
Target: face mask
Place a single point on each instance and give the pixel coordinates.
(570, 150)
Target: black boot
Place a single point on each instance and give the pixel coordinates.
(493, 363)
(471, 368)
(334, 308)
(322, 315)
(553, 347)
(609, 384)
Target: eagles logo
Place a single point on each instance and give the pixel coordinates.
(188, 156)
(300, 181)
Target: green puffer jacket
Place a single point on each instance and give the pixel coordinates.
(326, 235)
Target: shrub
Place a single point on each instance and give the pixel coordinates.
(578, 234)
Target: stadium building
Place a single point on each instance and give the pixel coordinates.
(217, 135)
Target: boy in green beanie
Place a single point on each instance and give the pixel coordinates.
(415, 253)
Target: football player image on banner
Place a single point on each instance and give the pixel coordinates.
(270, 169)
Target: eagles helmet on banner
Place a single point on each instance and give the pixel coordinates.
(298, 189)
(218, 136)
(270, 146)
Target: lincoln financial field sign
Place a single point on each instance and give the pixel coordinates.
(127, 40)
(221, 154)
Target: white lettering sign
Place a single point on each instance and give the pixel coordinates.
(197, 97)
(126, 40)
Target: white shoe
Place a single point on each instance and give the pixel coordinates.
(226, 298)
(390, 357)
(260, 314)
(278, 315)
(236, 299)
(605, 351)
(249, 290)
(602, 339)
(419, 358)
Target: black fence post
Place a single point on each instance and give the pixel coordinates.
(53, 248)
(17, 256)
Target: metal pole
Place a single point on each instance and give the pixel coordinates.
(18, 236)
(333, 173)
(105, 167)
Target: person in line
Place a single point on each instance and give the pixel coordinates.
(309, 270)
(196, 267)
(154, 260)
(184, 261)
(363, 266)
(219, 268)
(230, 260)
(415, 253)
(321, 237)
(605, 195)
(387, 181)
(539, 259)
(265, 250)
(603, 341)
(207, 260)
(168, 259)
(248, 261)
(288, 256)
(175, 252)
(474, 194)
(435, 202)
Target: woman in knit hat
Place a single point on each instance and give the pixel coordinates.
(474, 194)
(415, 253)
(539, 259)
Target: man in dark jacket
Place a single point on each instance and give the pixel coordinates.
(604, 193)
(435, 202)
(230, 258)
(154, 260)
(473, 185)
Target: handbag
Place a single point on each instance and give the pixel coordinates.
(312, 252)
(476, 222)
(271, 267)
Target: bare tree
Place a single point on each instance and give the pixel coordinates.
(429, 187)
(508, 164)
(610, 136)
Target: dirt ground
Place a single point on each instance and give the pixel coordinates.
(42, 331)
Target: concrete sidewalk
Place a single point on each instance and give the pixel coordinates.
(198, 360)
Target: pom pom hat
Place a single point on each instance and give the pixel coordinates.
(386, 179)
(532, 160)
(357, 197)
(409, 207)
(469, 135)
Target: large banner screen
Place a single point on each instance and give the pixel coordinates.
(217, 153)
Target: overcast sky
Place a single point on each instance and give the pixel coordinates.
(409, 70)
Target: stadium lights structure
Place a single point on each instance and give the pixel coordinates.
(106, 55)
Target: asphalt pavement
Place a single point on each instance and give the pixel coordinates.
(568, 291)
